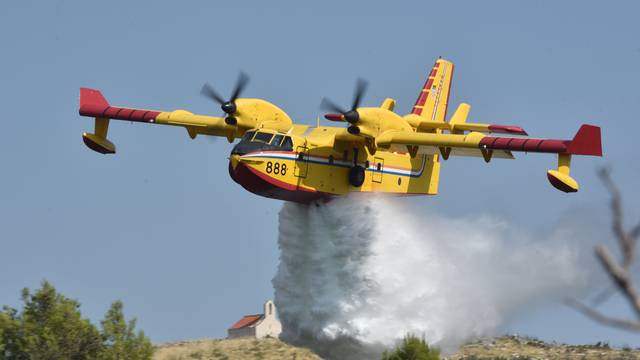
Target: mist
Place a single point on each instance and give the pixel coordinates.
(359, 273)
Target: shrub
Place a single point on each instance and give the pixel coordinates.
(412, 348)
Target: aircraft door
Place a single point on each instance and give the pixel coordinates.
(378, 164)
(302, 162)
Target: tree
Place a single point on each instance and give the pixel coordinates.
(51, 327)
(121, 341)
(619, 271)
(8, 329)
(412, 348)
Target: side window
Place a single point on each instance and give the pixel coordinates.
(248, 135)
(287, 143)
(263, 137)
(330, 159)
(277, 140)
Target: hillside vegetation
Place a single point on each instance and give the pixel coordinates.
(503, 348)
(235, 349)
(514, 347)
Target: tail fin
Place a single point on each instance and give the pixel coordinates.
(431, 106)
(434, 96)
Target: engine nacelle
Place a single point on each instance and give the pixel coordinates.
(375, 121)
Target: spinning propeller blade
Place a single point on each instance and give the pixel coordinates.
(351, 115)
(228, 106)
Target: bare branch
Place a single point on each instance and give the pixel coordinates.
(625, 324)
(620, 273)
(620, 277)
(625, 240)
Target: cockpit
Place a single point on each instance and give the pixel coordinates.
(260, 140)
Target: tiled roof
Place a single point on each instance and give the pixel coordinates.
(246, 321)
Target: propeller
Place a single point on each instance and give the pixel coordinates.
(340, 114)
(228, 106)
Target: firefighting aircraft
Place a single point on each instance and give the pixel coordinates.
(378, 151)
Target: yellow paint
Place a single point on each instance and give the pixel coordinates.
(564, 163)
(388, 104)
(565, 179)
(101, 127)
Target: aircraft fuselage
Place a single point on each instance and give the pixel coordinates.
(290, 167)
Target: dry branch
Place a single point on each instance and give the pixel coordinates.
(620, 272)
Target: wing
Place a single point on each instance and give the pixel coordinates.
(93, 104)
(443, 144)
(586, 142)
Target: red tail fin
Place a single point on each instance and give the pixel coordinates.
(586, 142)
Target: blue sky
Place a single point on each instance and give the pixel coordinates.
(163, 227)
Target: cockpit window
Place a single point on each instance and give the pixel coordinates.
(277, 140)
(248, 135)
(287, 143)
(263, 137)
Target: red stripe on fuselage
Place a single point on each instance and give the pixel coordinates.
(264, 185)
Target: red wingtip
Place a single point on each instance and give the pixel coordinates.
(91, 101)
(507, 129)
(586, 142)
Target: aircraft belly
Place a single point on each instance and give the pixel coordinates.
(272, 174)
(253, 179)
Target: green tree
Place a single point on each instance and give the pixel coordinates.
(412, 348)
(50, 327)
(121, 341)
(8, 329)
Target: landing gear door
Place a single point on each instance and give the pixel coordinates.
(302, 162)
(377, 171)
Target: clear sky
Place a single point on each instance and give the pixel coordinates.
(161, 225)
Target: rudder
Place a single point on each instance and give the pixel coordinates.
(434, 96)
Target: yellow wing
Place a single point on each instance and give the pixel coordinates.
(443, 144)
(585, 142)
(251, 113)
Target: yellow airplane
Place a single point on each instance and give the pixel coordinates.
(379, 151)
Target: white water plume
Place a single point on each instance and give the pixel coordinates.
(366, 271)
